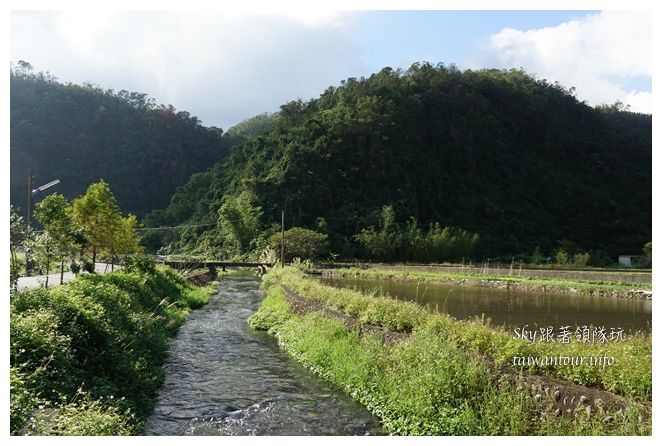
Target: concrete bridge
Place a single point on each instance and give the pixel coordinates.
(213, 265)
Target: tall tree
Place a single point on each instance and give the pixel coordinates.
(125, 240)
(97, 213)
(55, 214)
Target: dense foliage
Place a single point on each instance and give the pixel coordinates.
(86, 356)
(392, 243)
(73, 234)
(80, 133)
(300, 243)
(252, 127)
(499, 153)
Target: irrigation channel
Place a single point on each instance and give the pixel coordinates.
(222, 378)
(512, 308)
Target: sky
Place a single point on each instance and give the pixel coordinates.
(224, 67)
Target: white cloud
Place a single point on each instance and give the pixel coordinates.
(221, 67)
(597, 55)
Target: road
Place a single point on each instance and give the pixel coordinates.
(25, 283)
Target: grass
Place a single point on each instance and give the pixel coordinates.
(582, 286)
(435, 383)
(86, 356)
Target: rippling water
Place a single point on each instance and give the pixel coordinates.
(222, 378)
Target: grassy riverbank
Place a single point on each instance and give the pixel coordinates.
(443, 376)
(600, 287)
(86, 356)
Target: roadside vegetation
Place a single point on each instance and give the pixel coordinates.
(86, 356)
(73, 235)
(443, 376)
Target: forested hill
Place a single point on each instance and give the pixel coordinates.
(517, 160)
(81, 133)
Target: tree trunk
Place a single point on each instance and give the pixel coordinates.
(48, 269)
(16, 269)
(61, 271)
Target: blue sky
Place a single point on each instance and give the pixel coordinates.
(448, 36)
(224, 68)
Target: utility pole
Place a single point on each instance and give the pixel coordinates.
(282, 238)
(28, 265)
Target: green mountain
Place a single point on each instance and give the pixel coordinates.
(81, 133)
(517, 160)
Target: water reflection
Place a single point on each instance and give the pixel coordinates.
(512, 308)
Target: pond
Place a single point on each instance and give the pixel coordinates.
(512, 308)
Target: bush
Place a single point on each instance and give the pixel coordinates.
(580, 260)
(438, 244)
(562, 257)
(104, 336)
(138, 263)
(84, 416)
(300, 242)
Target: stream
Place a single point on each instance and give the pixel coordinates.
(222, 378)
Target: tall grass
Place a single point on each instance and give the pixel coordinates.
(630, 375)
(426, 385)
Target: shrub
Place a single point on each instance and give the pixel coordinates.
(90, 351)
(84, 416)
(580, 260)
(139, 263)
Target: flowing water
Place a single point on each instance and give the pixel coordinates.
(513, 308)
(222, 378)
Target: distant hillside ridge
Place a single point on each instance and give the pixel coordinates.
(518, 160)
(81, 133)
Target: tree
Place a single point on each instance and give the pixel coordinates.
(125, 240)
(381, 244)
(562, 257)
(537, 256)
(43, 251)
(56, 216)
(19, 234)
(303, 243)
(239, 224)
(105, 230)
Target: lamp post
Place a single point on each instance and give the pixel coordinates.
(31, 192)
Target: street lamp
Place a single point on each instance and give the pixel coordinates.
(31, 193)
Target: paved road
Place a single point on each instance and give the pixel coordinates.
(25, 283)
